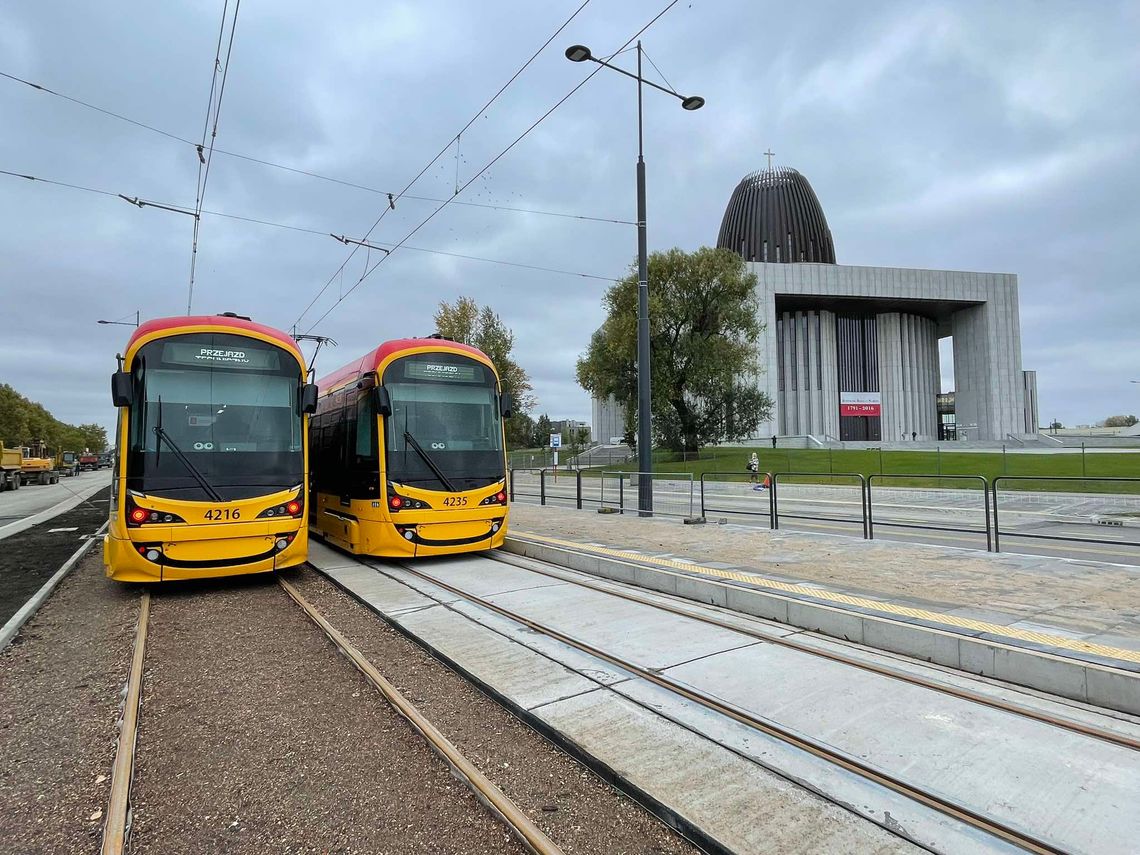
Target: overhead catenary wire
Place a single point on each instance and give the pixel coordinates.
(488, 165)
(204, 162)
(183, 209)
(453, 140)
(389, 194)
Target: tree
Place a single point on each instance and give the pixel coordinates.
(542, 430)
(23, 421)
(479, 327)
(1120, 421)
(703, 343)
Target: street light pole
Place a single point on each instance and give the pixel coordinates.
(581, 53)
(644, 384)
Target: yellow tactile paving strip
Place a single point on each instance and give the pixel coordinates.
(995, 629)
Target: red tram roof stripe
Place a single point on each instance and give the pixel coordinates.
(237, 324)
(372, 360)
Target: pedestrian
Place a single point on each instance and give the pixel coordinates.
(773, 441)
(914, 436)
(753, 468)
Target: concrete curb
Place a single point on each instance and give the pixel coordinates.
(28, 609)
(74, 500)
(1088, 682)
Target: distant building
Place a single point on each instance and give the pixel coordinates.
(609, 420)
(566, 427)
(851, 353)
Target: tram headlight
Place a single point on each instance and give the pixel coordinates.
(292, 508)
(137, 516)
(396, 502)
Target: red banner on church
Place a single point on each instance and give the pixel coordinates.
(860, 404)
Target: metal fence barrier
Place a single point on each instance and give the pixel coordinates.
(985, 506)
(680, 498)
(864, 501)
(1065, 478)
(575, 474)
(729, 478)
(677, 499)
(513, 483)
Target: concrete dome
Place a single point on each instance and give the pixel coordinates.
(774, 216)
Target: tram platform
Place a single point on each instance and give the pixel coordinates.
(1069, 628)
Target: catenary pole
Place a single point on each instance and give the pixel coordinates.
(644, 380)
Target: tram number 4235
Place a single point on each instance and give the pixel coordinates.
(455, 501)
(219, 514)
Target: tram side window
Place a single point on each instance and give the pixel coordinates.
(367, 453)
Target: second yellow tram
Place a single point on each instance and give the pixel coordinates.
(408, 452)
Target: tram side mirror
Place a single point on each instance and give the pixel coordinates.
(309, 398)
(122, 390)
(506, 405)
(383, 401)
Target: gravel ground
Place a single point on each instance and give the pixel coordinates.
(60, 691)
(1080, 594)
(29, 558)
(579, 811)
(256, 736)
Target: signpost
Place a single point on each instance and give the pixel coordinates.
(555, 444)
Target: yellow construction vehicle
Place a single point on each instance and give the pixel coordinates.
(38, 465)
(11, 465)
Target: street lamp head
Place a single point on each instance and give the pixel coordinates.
(693, 102)
(578, 53)
(102, 322)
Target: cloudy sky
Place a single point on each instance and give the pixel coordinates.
(978, 136)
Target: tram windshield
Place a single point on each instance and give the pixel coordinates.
(215, 416)
(445, 431)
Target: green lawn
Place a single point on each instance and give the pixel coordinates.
(732, 460)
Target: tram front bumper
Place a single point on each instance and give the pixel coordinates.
(448, 538)
(149, 559)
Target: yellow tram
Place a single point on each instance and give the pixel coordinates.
(408, 451)
(212, 462)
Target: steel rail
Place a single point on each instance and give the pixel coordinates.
(117, 824)
(1120, 739)
(531, 836)
(946, 807)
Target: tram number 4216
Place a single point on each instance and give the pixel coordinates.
(455, 501)
(223, 514)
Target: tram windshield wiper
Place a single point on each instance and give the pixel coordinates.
(163, 436)
(411, 440)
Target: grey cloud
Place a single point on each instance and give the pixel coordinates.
(956, 135)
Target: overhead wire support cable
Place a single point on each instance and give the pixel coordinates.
(659, 74)
(391, 197)
(473, 178)
(432, 162)
(139, 202)
(347, 241)
(143, 203)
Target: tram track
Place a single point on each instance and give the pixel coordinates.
(117, 826)
(946, 806)
(688, 611)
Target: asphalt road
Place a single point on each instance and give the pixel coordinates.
(17, 504)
